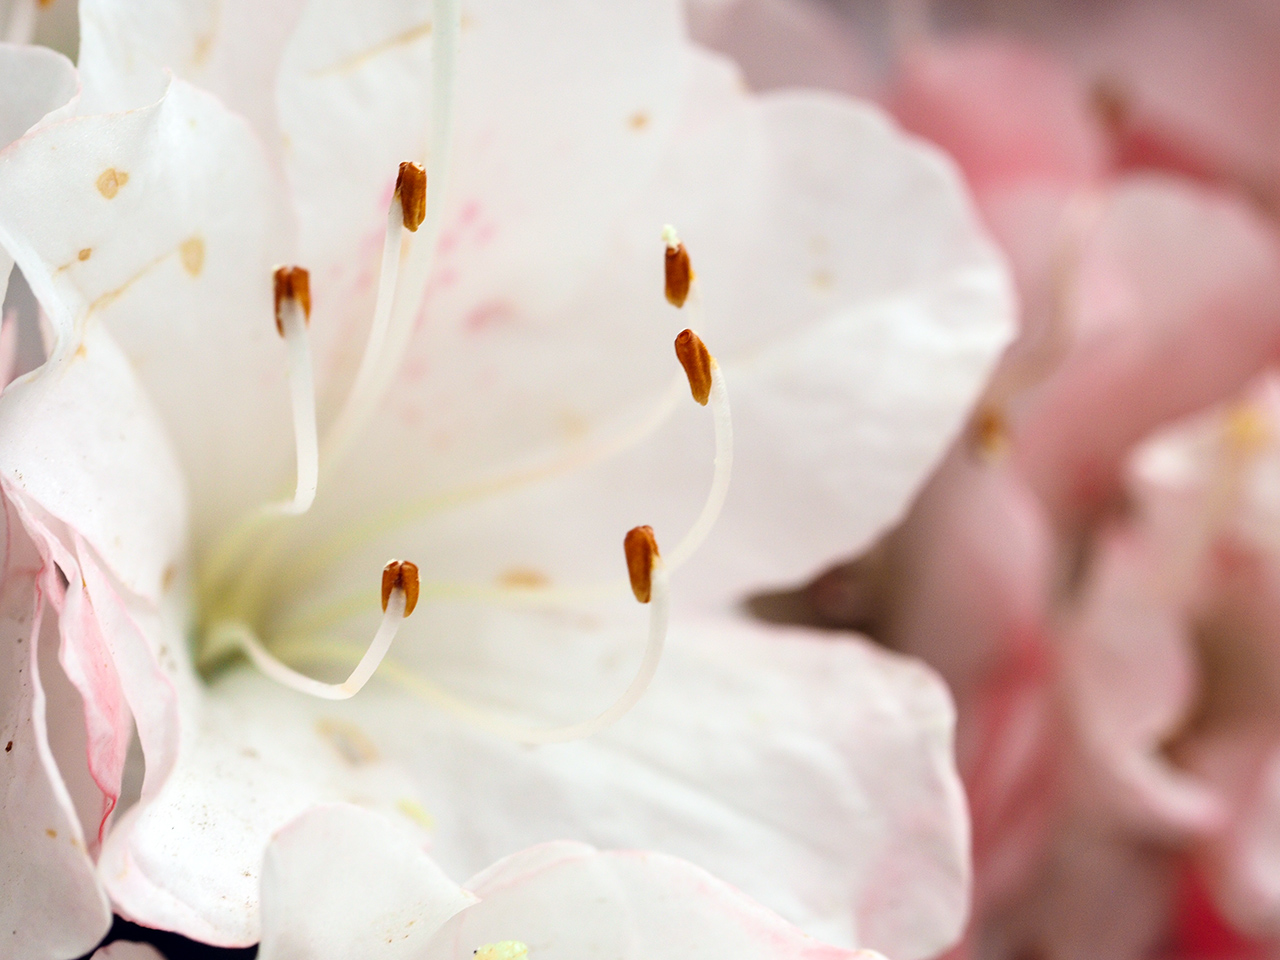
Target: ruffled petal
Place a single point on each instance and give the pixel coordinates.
(1131, 675)
(1175, 307)
(36, 81)
(232, 48)
(161, 224)
(53, 907)
(571, 902)
(815, 775)
(253, 757)
(1007, 112)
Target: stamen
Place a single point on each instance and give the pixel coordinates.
(696, 360)
(659, 610)
(400, 596)
(293, 315)
(401, 291)
(292, 288)
(718, 397)
(677, 270)
(400, 575)
(642, 554)
(411, 191)
(408, 205)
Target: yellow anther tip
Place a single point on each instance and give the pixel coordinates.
(1246, 429)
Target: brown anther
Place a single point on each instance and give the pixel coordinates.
(642, 554)
(696, 360)
(400, 575)
(1110, 104)
(990, 432)
(292, 284)
(411, 188)
(679, 274)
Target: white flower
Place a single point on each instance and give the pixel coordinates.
(853, 304)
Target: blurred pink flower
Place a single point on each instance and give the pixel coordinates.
(1127, 157)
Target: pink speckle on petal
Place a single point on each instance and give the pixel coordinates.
(488, 314)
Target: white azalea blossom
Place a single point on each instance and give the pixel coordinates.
(530, 414)
(340, 883)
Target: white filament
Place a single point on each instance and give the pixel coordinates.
(407, 287)
(711, 507)
(232, 635)
(303, 395)
(21, 25)
(366, 388)
(659, 615)
(240, 537)
(392, 325)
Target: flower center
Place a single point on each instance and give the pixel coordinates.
(251, 553)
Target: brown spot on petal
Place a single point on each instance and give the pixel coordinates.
(192, 252)
(110, 181)
(638, 121)
(8, 746)
(696, 360)
(411, 188)
(351, 743)
(86, 253)
(524, 578)
(642, 553)
(400, 575)
(51, 833)
(200, 52)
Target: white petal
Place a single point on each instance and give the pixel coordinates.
(162, 224)
(82, 441)
(341, 883)
(231, 48)
(35, 80)
(814, 774)
(52, 907)
(253, 757)
(570, 902)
